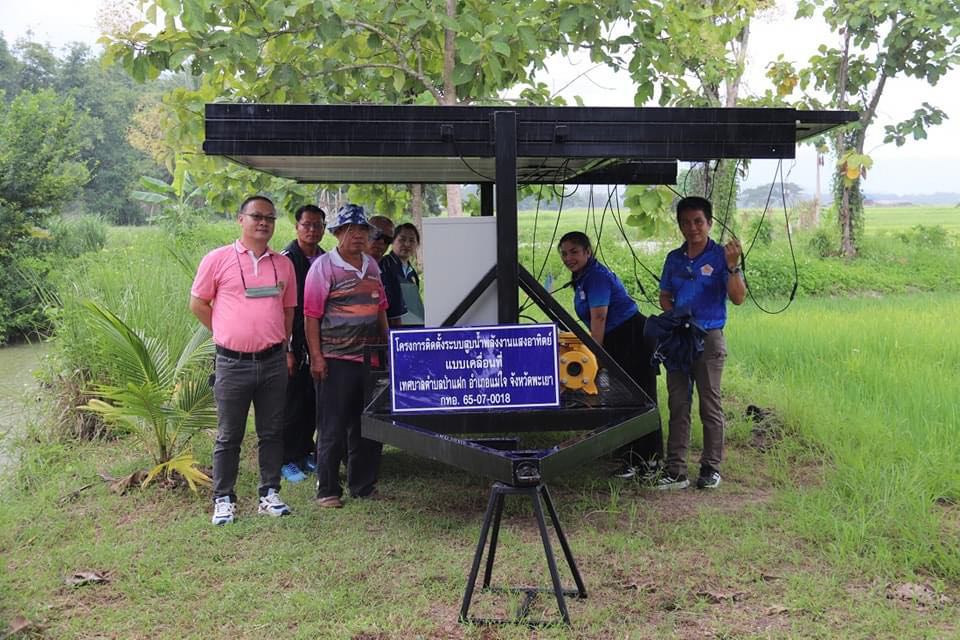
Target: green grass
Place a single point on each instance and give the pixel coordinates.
(861, 492)
(893, 219)
(870, 385)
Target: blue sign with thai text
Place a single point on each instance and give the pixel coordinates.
(463, 368)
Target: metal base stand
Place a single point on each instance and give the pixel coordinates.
(494, 513)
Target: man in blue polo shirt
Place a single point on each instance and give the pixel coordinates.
(699, 276)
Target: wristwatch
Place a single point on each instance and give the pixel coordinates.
(736, 269)
(290, 345)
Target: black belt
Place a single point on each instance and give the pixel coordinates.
(243, 355)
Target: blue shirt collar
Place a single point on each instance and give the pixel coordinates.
(587, 268)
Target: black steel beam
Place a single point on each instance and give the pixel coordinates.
(623, 173)
(486, 199)
(552, 308)
(598, 443)
(680, 150)
(508, 295)
(456, 452)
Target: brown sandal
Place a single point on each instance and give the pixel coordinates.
(329, 502)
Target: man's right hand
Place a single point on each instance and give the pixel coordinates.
(318, 367)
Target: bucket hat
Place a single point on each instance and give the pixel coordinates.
(348, 214)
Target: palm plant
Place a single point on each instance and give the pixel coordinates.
(161, 401)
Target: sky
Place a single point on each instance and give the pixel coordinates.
(925, 166)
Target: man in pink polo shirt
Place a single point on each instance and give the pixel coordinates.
(245, 293)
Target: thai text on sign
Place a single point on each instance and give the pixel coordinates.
(458, 368)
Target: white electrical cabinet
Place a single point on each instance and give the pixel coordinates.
(457, 253)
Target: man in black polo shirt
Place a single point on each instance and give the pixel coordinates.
(299, 426)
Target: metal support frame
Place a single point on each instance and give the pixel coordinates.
(486, 199)
(491, 528)
(391, 144)
(508, 298)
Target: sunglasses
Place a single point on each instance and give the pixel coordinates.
(376, 234)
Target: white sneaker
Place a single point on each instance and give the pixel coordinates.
(223, 510)
(272, 505)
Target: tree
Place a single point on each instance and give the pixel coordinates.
(9, 71)
(381, 51)
(38, 66)
(879, 40)
(41, 139)
(761, 196)
(687, 53)
(40, 170)
(109, 97)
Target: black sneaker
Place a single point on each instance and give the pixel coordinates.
(626, 472)
(648, 473)
(709, 478)
(668, 482)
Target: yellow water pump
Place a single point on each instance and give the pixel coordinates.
(578, 365)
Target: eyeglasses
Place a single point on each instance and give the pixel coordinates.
(312, 225)
(259, 218)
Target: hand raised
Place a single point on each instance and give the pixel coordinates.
(732, 252)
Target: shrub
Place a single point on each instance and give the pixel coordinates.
(72, 237)
(932, 236)
(824, 243)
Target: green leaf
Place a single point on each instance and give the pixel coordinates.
(399, 80)
(569, 19)
(178, 58)
(501, 47)
(462, 74)
(649, 200)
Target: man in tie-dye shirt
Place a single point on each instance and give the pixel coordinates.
(344, 308)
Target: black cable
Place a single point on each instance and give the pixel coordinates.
(563, 196)
(590, 205)
(793, 256)
(686, 177)
(766, 206)
(456, 148)
(733, 184)
(623, 232)
(536, 217)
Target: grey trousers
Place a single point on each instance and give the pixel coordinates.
(238, 383)
(706, 374)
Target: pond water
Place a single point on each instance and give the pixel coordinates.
(18, 393)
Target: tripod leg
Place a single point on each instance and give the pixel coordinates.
(563, 542)
(492, 553)
(551, 562)
(475, 568)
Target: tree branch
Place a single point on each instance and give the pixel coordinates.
(424, 80)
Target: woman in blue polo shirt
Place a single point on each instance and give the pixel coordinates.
(699, 276)
(602, 303)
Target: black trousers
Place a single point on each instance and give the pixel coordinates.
(299, 421)
(341, 397)
(633, 352)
